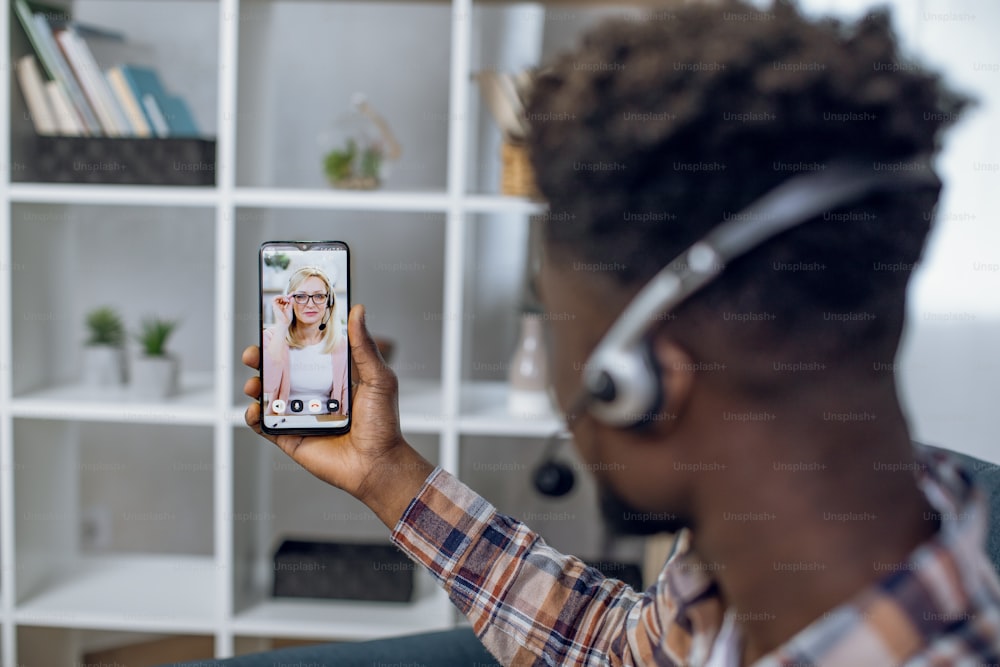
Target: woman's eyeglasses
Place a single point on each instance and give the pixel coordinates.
(317, 299)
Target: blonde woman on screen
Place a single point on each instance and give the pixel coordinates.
(305, 354)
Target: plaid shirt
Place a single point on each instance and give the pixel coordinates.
(531, 605)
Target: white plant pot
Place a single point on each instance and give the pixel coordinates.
(103, 366)
(155, 377)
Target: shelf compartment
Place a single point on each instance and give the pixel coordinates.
(283, 145)
(108, 491)
(135, 592)
(72, 259)
(275, 499)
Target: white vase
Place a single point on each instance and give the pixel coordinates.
(155, 377)
(103, 366)
(528, 395)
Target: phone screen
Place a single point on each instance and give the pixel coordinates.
(305, 357)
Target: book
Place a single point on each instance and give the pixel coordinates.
(178, 116)
(33, 86)
(128, 101)
(67, 120)
(159, 104)
(112, 119)
(145, 81)
(152, 108)
(40, 35)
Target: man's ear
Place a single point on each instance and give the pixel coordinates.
(677, 376)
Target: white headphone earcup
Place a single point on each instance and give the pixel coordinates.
(624, 386)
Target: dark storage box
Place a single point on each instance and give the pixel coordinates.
(132, 161)
(344, 571)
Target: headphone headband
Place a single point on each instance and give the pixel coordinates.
(620, 381)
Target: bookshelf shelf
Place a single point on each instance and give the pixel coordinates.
(342, 620)
(377, 200)
(484, 412)
(112, 195)
(142, 593)
(77, 402)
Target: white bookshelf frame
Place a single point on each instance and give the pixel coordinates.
(100, 593)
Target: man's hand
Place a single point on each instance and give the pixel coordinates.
(372, 462)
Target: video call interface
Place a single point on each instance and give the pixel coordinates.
(304, 353)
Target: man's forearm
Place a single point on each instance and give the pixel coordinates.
(527, 602)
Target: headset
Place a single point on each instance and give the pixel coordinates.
(621, 383)
(312, 270)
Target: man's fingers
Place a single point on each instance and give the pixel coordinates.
(251, 357)
(252, 387)
(252, 417)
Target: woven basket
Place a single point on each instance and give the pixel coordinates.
(517, 178)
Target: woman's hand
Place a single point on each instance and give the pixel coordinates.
(372, 461)
(282, 307)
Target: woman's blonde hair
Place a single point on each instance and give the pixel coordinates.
(331, 334)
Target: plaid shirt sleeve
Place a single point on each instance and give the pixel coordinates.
(529, 604)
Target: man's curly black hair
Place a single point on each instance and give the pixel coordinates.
(649, 134)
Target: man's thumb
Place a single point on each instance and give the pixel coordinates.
(372, 368)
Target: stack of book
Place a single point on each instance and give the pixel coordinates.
(69, 94)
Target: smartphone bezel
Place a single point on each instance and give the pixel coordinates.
(304, 246)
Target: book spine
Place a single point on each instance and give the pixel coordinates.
(33, 87)
(152, 107)
(85, 73)
(62, 72)
(123, 92)
(142, 81)
(178, 117)
(66, 117)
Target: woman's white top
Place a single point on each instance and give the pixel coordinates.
(310, 373)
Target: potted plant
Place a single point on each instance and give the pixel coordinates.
(276, 263)
(359, 148)
(155, 373)
(353, 168)
(104, 353)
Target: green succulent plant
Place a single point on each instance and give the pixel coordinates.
(105, 327)
(353, 166)
(153, 335)
(277, 260)
(339, 164)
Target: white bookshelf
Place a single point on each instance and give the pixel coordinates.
(48, 585)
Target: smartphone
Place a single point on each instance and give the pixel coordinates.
(305, 357)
